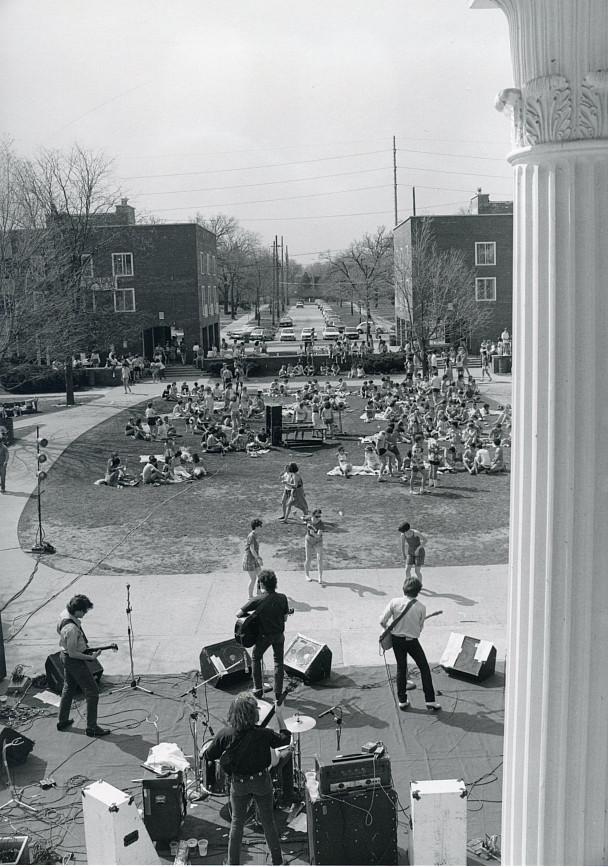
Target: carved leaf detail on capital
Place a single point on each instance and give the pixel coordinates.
(547, 111)
(593, 120)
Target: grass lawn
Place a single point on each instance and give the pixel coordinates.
(200, 526)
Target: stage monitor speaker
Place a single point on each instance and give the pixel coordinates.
(308, 659)
(274, 423)
(438, 819)
(468, 657)
(2, 656)
(54, 671)
(164, 806)
(114, 832)
(18, 754)
(226, 659)
(357, 828)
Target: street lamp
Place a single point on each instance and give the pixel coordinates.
(41, 546)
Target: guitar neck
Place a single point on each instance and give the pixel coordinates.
(99, 649)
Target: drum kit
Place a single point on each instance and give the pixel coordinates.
(297, 725)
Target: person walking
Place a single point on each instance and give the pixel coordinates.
(293, 493)
(412, 550)
(77, 674)
(125, 372)
(244, 750)
(313, 544)
(272, 609)
(4, 458)
(252, 561)
(405, 639)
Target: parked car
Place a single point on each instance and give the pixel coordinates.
(286, 322)
(262, 334)
(330, 333)
(307, 334)
(362, 326)
(240, 334)
(287, 335)
(300, 304)
(351, 333)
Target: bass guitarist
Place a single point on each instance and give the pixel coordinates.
(272, 609)
(76, 672)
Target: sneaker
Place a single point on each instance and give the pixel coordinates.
(62, 726)
(308, 578)
(97, 732)
(433, 705)
(404, 704)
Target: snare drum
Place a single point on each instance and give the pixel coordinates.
(215, 779)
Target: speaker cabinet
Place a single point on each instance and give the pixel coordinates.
(226, 659)
(18, 754)
(274, 423)
(308, 659)
(164, 806)
(356, 828)
(114, 832)
(471, 658)
(54, 671)
(438, 820)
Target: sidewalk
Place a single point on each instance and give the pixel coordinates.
(174, 616)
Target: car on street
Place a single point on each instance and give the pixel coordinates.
(286, 322)
(287, 335)
(262, 334)
(362, 327)
(351, 333)
(330, 333)
(240, 334)
(300, 304)
(307, 334)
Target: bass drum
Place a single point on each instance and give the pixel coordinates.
(215, 781)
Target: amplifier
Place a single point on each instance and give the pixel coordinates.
(353, 772)
(164, 806)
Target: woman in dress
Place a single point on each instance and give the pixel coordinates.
(313, 544)
(252, 562)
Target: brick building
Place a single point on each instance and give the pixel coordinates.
(485, 237)
(167, 271)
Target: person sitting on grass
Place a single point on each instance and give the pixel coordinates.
(275, 388)
(151, 474)
(483, 461)
(260, 443)
(345, 467)
(468, 460)
(213, 443)
(239, 441)
(498, 459)
(371, 459)
(131, 428)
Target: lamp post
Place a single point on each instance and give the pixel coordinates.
(40, 546)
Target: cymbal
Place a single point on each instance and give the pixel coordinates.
(297, 724)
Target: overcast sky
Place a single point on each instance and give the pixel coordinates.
(278, 113)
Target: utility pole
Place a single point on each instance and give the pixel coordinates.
(274, 275)
(413, 201)
(395, 178)
(283, 289)
(287, 274)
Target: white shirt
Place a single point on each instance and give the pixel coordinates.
(410, 626)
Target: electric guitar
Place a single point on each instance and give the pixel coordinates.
(90, 650)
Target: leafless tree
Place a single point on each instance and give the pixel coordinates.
(434, 290)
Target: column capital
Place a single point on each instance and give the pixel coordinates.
(559, 51)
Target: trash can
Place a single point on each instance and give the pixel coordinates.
(501, 364)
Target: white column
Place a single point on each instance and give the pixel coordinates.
(555, 790)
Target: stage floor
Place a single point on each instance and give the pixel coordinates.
(463, 741)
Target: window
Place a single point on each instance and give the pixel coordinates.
(202, 263)
(122, 264)
(86, 265)
(485, 288)
(214, 263)
(485, 252)
(124, 300)
(208, 263)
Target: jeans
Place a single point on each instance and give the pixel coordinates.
(402, 647)
(77, 675)
(242, 789)
(277, 640)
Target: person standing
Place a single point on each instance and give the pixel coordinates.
(412, 550)
(252, 561)
(272, 610)
(405, 638)
(293, 494)
(245, 749)
(4, 458)
(313, 544)
(77, 673)
(125, 372)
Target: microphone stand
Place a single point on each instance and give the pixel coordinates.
(337, 715)
(134, 682)
(197, 791)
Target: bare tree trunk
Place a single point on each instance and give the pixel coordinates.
(69, 382)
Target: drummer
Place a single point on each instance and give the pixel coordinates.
(244, 750)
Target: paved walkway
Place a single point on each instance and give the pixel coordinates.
(174, 616)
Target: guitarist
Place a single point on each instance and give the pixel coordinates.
(76, 672)
(272, 609)
(405, 637)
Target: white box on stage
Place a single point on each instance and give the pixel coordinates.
(114, 832)
(438, 821)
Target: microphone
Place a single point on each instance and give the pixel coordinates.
(330, 710)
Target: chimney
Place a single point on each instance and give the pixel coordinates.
(480, 202)
(125, 213)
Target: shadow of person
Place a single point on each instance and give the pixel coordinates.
(359, 589)
(304, 606)
(455, 597)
